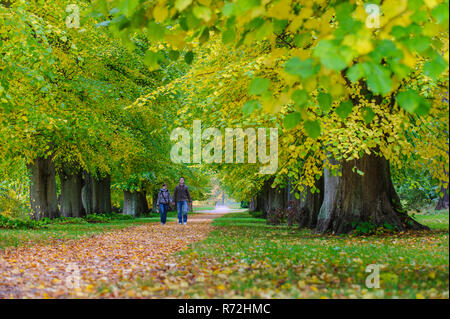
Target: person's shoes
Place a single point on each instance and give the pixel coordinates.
(185, 223)
(180, 223)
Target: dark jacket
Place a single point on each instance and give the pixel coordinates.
(164, 197)
(181, 193)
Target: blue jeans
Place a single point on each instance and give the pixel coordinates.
(182, 209)
(163, 212)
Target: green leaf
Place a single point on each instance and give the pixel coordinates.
(418, 44)
(302, 39)
(440, 13)
(151, 60)
(229, 9)
(379, 79)
(258, 86)
(204, 37)
(369, 115)
(435, 67)
(291, 120)
(174, 55)
(413, 5)
(356, 72)
(413, 102)
(300, 97)
(312, 128)
(250, 106)
(344, 109)
(156, 31)
(182, 4)
(325, 101)
(304, 69)
(189, 57)
(202, 12)
(244, 5)
(332, 56)
(229, 35)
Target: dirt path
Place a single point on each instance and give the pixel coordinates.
(76, 268)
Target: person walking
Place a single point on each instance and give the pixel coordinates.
(164, 200)
(182, 197)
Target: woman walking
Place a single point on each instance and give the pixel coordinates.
(164, 199)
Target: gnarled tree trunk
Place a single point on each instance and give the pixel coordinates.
(368, 198)
(71, 202)
(443, 202)
(306, 208)
(96, 194)
(331, 184)
(265, 202)
(43, 198)
(134, 203)
(154, 202)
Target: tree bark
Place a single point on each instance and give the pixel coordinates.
(44, 202)
(331, 184)
(71, 201)
(305, 210)
(265, 198)
(443, 202)
(86, 193)
(134, 203)
(154, 202)
(96, 194)
(368, 198)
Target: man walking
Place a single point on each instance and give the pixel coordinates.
(181, 196)
(163, 202)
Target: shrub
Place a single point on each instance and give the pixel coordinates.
(275, 216)
(257, 214)
(244, 204)
(13, 204)
(15, 223)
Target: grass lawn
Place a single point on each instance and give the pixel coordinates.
(201, 208)
(245, 257)
(13, 237)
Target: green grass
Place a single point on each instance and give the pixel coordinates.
(245, 257)
(201, 208)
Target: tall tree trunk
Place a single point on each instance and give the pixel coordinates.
(254, 203)
(331, 184)
(277, 204)
(154, 202)
(368, 198)
(134, 203)
(305, 210)
(443, 202)
(265, 198)
(86, 193)
(71, 202)
(44, 202)
(96, 194)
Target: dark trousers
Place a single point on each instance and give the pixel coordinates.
(163, 212)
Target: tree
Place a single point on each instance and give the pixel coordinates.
(351, 85)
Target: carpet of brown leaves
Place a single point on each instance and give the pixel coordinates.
(79, 268)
